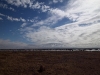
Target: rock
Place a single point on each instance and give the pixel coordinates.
(41, 69)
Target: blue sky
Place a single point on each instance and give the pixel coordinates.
(49, 23)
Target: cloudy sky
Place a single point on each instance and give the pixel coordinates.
(49, 23)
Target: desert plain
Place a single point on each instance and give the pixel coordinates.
(49, 63)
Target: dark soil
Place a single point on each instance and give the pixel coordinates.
(49, 63)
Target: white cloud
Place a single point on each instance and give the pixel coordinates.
(5, 6)
(12, 9)
(23, 3)
(56, 1)
(16, 19)
(49, 21)
(1, 18)
(45, 8)
(2, 14)
(12, 19)
(35, 19)
(83, 32)
(76, 11)
(29, 29)
(32, 20)
(20, 19)
(32, 4)
(54, 16)
(67, 34)
(80, 11)
(24, 24)
(58, 12)
(83, 10)
(7, 44)
(37, 5)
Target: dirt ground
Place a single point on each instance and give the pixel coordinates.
(49, 63)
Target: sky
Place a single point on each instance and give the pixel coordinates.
(49, 24)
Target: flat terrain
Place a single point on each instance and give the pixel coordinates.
(52, 63)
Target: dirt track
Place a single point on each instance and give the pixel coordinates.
(54, 63)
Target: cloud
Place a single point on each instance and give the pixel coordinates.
(55, 1)
(74, 10)
(45, 8)
(9, 17)
(2, 14)
(24, 24)
(55, 15)
(32, 4)
(7, 44)
(84, 31)
(1, 18)
(12, 9)
(49, 21)
(5, 6)
(77, 11)
(23, 3)
(67, 34)
(15, 19)
(35, 19)
(21, 19)
(83, 10)
(37, 5)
